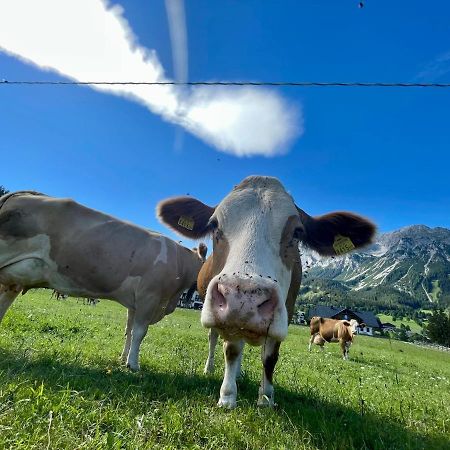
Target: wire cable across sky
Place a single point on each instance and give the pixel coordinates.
(231, 83)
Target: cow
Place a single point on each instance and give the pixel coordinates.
(250, 281)
(332, 330)
(59, 244)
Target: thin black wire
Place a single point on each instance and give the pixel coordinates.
(229, 83)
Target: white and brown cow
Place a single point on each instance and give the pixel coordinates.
(251, 280)
(332, 330)
(60, 244)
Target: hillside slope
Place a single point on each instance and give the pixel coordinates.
(409, 266)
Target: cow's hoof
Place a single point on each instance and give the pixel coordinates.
(209, 369)
(227, 402)
(266, 402)
(133, 367)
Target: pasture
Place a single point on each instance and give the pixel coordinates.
(62, 386)
(415, 327)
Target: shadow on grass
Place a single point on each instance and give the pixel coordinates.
(330, 424)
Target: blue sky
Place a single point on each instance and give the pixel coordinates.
(383, 153)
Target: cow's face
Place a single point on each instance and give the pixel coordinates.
(354, 326)
(255, 261)
(255, 232)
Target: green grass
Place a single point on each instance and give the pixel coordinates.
(413, 325)
(61, 386)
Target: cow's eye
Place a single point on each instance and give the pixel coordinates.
(299, 233)
(213, 224)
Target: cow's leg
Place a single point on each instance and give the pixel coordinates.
(213, 335)
(311, 340)
(345, 346)
(269, 356)
(128, 331)
(228, 390)
(239, 372)
(7, 295)
(139, 331)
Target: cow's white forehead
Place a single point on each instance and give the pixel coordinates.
(260, 201)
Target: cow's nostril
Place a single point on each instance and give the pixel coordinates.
(218, 295)
(267, 307)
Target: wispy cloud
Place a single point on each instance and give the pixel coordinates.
(176, 19)
(90, 40)
(435, 69)
(178, 38)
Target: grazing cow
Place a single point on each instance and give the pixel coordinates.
(251, 280)
(60, 244)
(332, 330)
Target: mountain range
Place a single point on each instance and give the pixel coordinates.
(404, 269)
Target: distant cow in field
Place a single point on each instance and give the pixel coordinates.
(62, 245)
(331, 330)
(251, 280)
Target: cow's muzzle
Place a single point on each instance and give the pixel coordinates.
(242, 307)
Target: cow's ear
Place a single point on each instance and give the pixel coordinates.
(336, 233)
(185, 215)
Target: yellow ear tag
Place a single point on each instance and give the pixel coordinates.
(186, 222)
(342, 244)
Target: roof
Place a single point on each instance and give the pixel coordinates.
(368, 317)
(323, 311)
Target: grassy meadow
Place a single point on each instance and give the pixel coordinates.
(62, 386)
(413, 325)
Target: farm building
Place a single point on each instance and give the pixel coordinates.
(387, 326)
(299, 318)
(368, 318)
(190, 299)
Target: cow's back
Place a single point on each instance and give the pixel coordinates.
(88, 252)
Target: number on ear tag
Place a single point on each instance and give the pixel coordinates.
(186, 222)
(342, 244)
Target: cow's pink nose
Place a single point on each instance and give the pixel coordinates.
(243, 304)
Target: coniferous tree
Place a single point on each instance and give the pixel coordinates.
(439, 327)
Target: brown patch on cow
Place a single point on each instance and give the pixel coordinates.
(213, 265)
(270, 362)
(320, 232)
(91, 263)
(232, 351)
(294, 287)
(171, 210)
(290, 257)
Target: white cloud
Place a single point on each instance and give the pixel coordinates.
(89, 40)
